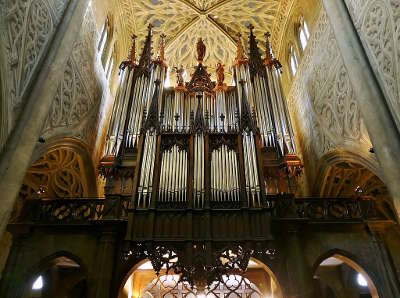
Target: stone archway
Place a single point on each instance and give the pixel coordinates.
(257, 281)
(61, 274)
(341, 276)
(61, 169)
(345, 174)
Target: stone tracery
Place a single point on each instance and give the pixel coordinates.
(327, 99)
(76, 102)
(378, 23)
(59, 173)
(30, 26)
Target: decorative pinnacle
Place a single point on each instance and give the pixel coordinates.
(269, 60)
(239, 53)
(133, 50)
(147, 52)
(268, 51)
(162, 47)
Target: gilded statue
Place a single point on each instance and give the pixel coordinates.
(220, 74)
(201, 50)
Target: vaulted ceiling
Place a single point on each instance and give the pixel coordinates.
(217, 21)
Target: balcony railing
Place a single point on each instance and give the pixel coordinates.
(74, 210)
(281, 207)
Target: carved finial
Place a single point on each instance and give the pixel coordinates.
(201, 50)
(162, 47)
(251, 27)
(133, 50)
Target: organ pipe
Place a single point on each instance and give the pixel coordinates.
(231, 122)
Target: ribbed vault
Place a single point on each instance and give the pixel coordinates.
(183, 21)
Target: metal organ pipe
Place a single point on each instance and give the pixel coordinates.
(217, 116)
(115, 131)
(281, 111)
(145, 186)
(198, 186)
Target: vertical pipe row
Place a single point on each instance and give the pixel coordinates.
(224, 175)
(198, 184)
(146, 175)
(173, 177)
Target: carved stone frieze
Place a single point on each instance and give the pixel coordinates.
(29, 27)
(76, 103)
(378, 24)
(325, 113)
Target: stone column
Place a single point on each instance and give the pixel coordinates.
(13, 284)
(390, 286)
(300, 280)
(105, 262)
(374, 109)
(16, 156)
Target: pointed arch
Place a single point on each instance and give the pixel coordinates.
(355, 263)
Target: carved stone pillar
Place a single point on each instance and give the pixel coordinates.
(300, 277)
(374, 108)
(390, 286)
(12, 283)
(105, 262)
(16, 155)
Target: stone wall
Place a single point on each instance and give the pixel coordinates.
(27, 29)
(82, 99)
(378, 25)
(326, 116)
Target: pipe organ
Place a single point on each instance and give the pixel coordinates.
(202, 143)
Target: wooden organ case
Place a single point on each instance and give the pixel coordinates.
(199, 161)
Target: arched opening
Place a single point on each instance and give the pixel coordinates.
(339, 276)
(57, 277)
(257, 282)
(347, 175)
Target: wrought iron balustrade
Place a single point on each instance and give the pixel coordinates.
(74, 210)
(280, 207)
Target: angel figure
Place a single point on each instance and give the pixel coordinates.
(220, 74)
(179, 75)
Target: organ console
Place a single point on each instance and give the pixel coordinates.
(202, 143)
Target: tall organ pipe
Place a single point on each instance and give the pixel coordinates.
(118, 116)
(281, 113)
